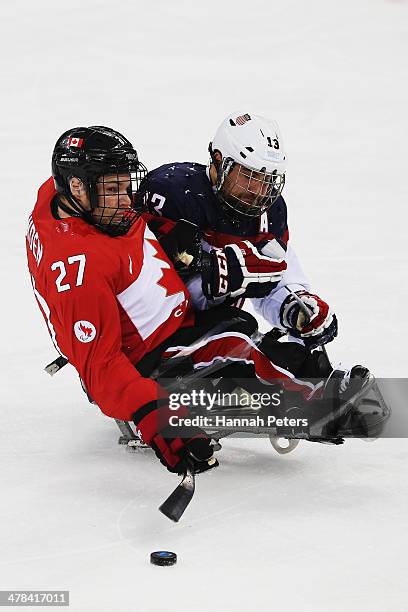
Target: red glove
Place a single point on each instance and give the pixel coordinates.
(176, 446)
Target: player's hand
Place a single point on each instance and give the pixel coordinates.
(181, 241)
(243, 269)
(317, 328)
(176, 446)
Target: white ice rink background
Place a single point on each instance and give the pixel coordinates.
(323, 528)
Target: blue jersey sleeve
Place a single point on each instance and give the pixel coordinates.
(278, 220)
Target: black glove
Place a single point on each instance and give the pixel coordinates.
(176, 446)
(181, 241)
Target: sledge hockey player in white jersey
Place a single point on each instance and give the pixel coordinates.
(236, 204)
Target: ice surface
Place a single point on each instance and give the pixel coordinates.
(323, 528)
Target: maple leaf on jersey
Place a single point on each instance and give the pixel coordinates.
(85, 330)
(169, 279)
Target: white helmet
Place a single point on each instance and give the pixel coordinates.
(251, 147)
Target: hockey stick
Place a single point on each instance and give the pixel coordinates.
(306, 312)
(54, 367)
(176, 503)
(174, 506)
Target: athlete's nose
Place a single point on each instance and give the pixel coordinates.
(124, 200)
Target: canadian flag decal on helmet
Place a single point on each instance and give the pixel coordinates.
(75, 142)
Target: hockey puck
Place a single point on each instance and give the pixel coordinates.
(163, 557)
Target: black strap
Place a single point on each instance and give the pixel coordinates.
(146, 409)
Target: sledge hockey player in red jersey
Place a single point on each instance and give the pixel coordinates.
(113, 303)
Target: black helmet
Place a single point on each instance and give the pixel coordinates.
(92, 154)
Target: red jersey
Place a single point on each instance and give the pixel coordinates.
(106, 301)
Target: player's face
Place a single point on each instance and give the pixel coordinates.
(246, 185)
(247, 190)
(113, 198)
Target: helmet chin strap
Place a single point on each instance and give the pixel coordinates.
(223, 170)
(75, 209)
